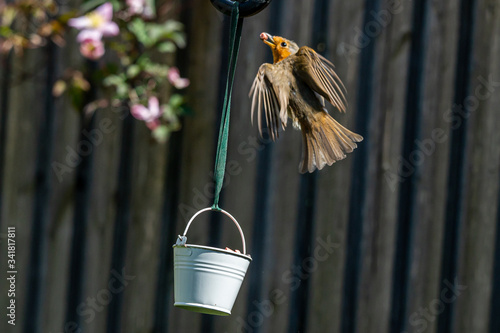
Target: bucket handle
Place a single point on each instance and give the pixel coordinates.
(182, 239)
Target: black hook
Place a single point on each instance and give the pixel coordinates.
(247, 7)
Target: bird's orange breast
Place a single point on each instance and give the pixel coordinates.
(280, 55)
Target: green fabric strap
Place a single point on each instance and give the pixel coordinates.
(220, 159)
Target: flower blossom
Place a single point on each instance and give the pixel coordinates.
(99, 20)
(94, 26)
(175, 78)
(139, 7)
(91, 45)
(151, 114)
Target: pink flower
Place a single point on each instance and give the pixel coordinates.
(92, 49)
(139, 7)
(98, 21)
(135, 6)
(94, 26)
(91, 45)
(150, 114)
(175, 78)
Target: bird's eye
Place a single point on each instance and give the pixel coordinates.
(283, 44)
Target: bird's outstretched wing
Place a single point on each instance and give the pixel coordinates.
(319, 74)
(268, 96)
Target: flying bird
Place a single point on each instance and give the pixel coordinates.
(296, 85)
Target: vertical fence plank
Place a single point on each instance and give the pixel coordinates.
(482, 163)
(18, 181)
(63, 173)
(390, 27)
(494, 318)
(5, 74)
(102, 219)
(433, 144)
(5, 86)
(65, 161)
(148, 178)
(37, 272)
(357, 204)
(89, 136)
(408, 187)
(494, 324)
(164, 297)
(122, 221)
(457, 175)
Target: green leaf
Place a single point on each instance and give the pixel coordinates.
(77, 97)
(122, 90)
(170, 30)
(141, 92)
(139, 28)
(176, 101)
(161, 133)
(179, 38)
(168, 112)
(111, 68)
(113, 80)
(117, 5)
(5, 31)
(166, 47)
(119, 83)
(156, 70)
(8, 15)
(133, 71)
(155, 32)
(172, 25)
(171, 116)
(119, 47)
(87, 6)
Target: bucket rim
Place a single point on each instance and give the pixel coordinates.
(216, 249)
(222, 311)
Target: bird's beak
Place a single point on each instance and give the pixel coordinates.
(268, 39)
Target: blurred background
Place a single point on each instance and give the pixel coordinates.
(401, 236)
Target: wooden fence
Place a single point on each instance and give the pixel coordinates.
(401, 236)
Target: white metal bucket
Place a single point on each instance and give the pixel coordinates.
(208, 279)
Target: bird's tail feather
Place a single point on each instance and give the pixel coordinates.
(325, 141)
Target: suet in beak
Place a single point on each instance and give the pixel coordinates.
(268, 39)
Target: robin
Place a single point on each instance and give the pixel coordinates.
(296, 86)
